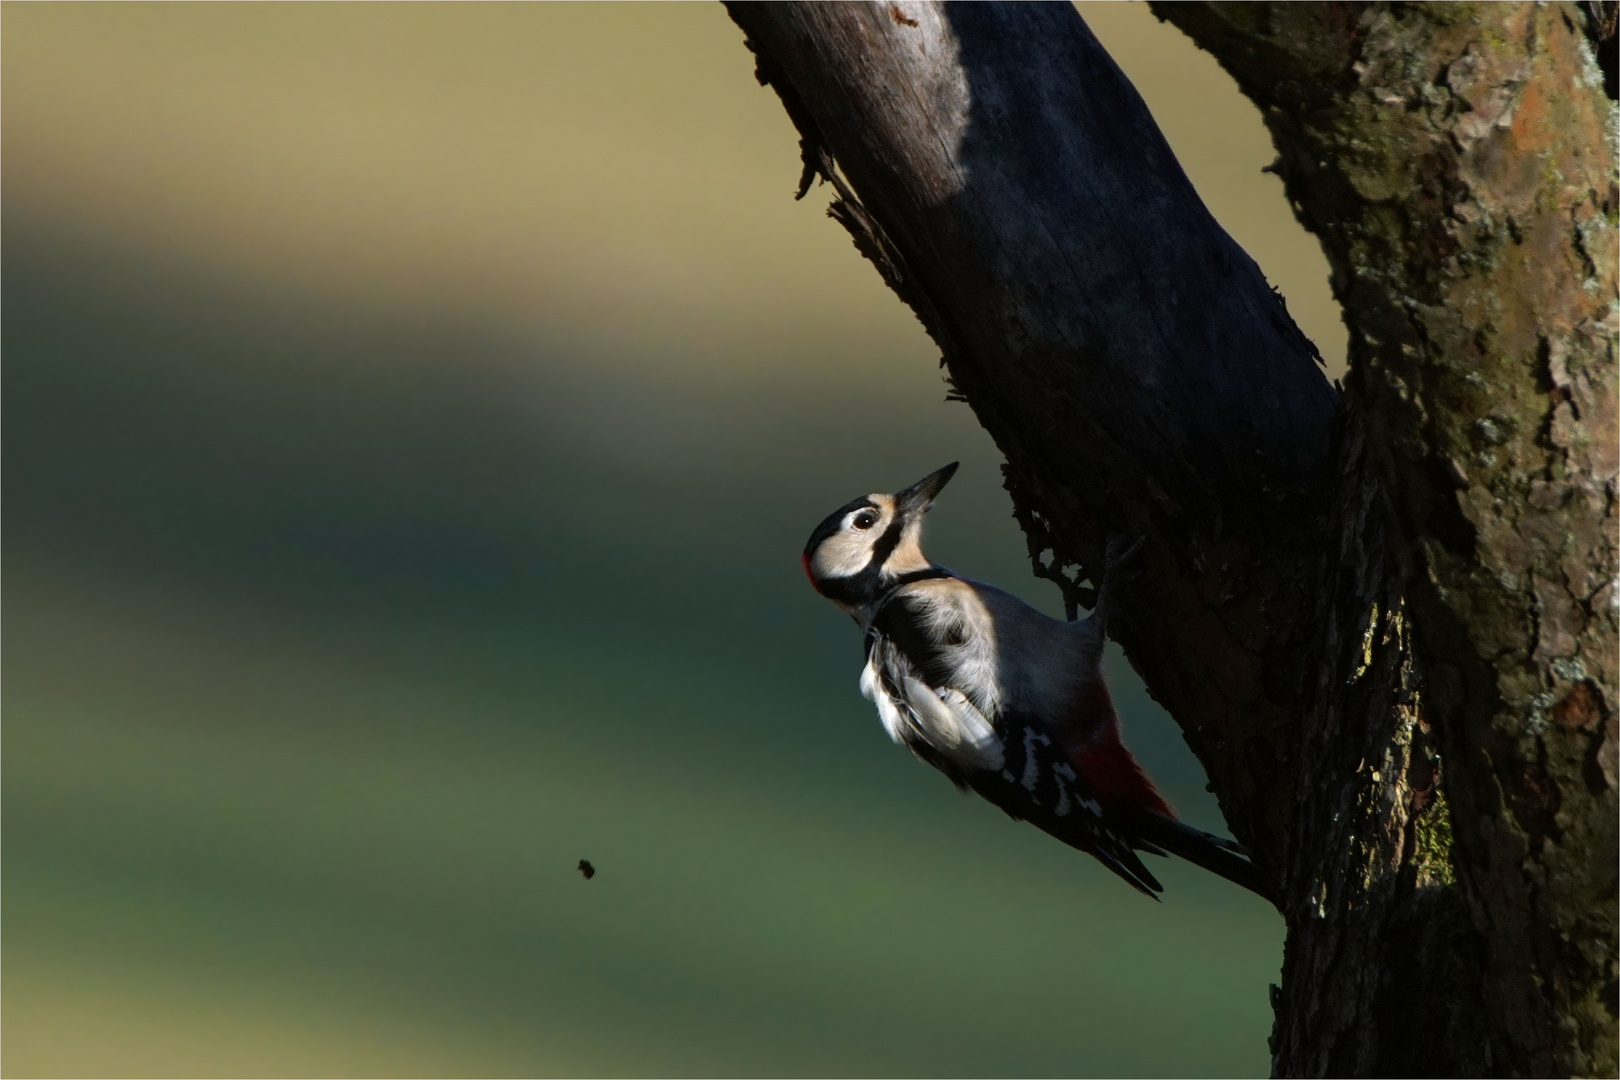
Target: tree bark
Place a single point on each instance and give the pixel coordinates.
(1457, 163)
(1387, 624)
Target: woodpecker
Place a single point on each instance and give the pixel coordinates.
(1005, 701)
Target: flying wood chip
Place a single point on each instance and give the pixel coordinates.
(587, 869)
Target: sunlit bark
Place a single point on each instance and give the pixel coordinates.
(1387, 624)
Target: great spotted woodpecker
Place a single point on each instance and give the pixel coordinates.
(1004, 700)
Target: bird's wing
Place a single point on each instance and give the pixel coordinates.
(1011, 760)
(939, 724)
(1039, 784)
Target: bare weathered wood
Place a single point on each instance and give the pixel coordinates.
(1388, 633)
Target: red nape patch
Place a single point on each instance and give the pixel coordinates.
(1117, 780)
(804, 560)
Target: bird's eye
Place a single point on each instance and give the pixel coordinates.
(864, 520)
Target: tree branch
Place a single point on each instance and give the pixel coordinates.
(1126, 355)
(1388, 629)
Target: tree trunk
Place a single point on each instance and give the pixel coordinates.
(1386, 625)
(1456, 163)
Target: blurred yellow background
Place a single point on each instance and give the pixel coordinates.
(412, 417)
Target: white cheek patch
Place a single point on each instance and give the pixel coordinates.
(842, 555)
(846, 552)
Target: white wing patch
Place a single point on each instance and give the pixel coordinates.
(953, 726)
(944, 719)
(1063, 770)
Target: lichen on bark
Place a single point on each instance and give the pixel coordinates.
(1457, 162)
(1387, 630)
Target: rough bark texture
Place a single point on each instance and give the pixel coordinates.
(1389, 632)
(1043, 232)
(1456, 162)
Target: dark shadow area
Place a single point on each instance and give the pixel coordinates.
(1072, 165)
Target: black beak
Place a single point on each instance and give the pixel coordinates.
(916, 499)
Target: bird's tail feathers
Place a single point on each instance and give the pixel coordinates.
(1214, 853)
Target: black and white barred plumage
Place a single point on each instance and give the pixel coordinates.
(1005, 701)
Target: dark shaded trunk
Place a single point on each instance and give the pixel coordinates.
(1387, 625)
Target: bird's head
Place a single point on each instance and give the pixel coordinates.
(869, 542)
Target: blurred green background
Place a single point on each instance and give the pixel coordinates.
(412, 418)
